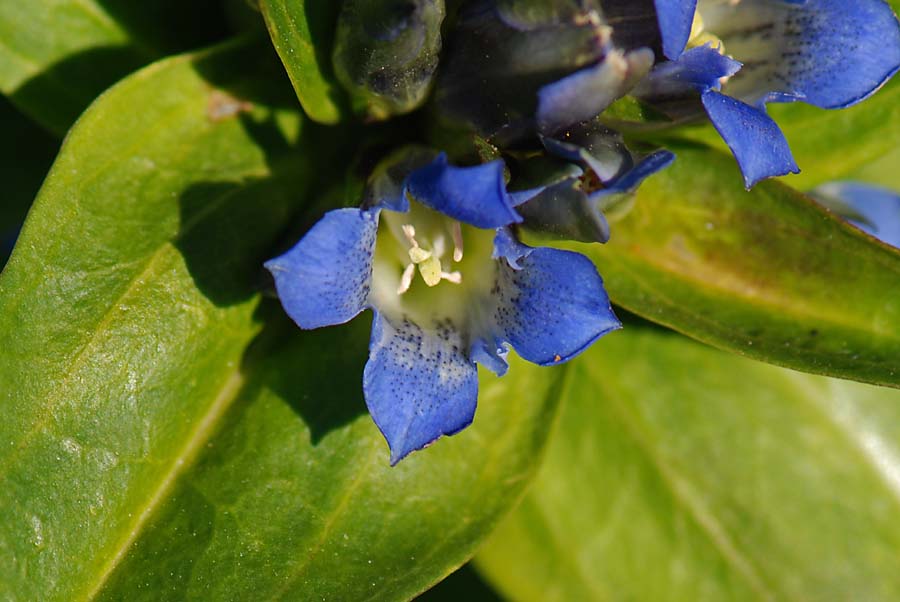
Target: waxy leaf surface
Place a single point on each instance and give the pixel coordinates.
(127, 305)
(766, 273)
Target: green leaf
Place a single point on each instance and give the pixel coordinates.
(678, 472)
(303, 34)
(768, 273)
(292, 496)
(56, 56)
(127, 305)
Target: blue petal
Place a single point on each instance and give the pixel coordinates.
(697, 70)
(586, 93)
(324, 279)
(491, 354)
(829, 53)
(879, 208)
(554, 306)
(753, 137)
(675, 19)
(473, 195)
(632, 178)
(847, 51)
(418, 384)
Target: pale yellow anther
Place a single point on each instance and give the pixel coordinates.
(419, 255)
(430, 269)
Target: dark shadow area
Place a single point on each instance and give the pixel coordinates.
(465, 584)
(317, 372)
(322, 17)
(170, 26)
(26, 153)
(61, 92)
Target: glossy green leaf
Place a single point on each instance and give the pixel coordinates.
(767, 273)
(292, 497)
(303, 34)
(678, 472)
(56, 56)
(127, 305)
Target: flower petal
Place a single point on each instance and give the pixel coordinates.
(675, 18)
(586, 93)
(474, 195)
(697, 70)
(554, 306)
(418, 383)
(829, 53)
(754, 138)
(632, 178)
(875, 210)
(324, 279)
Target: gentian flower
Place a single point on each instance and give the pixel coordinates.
(828, 53)
(433, 253)
(873, 209)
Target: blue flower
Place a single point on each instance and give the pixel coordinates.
(433, 254)
(873, 209)
(828, 53)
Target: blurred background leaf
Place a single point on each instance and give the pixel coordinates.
(766, 273)
(303, 34)
(678, 472)
(56, 56)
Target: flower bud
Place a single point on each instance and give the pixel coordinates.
(386, 53)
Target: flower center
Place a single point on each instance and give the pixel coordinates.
(428, 264)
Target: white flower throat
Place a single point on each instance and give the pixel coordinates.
(428, 264)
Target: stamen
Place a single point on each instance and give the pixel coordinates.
(418, 255)
(454, 277)
(431, 271)
(409, 231)
(406, 278)
(456, 231)
(438, 247)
